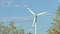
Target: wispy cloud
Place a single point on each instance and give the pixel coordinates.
(17, 19)
(8, 3)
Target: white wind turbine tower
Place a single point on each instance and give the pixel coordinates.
(35, 18)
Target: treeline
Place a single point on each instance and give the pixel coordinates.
(10, 29)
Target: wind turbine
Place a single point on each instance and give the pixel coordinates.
(35, 18)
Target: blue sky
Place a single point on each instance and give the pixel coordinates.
(14, 10)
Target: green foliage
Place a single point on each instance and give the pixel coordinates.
(21, 31)
(55, 29)
(10, 29)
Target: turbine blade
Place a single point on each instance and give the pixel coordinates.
(33, 25)
(41, 13)
(29, 9)
(34, 22)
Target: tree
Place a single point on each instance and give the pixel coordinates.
(56, 24)
(1, 28)
(21, 31)
(12, 28)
